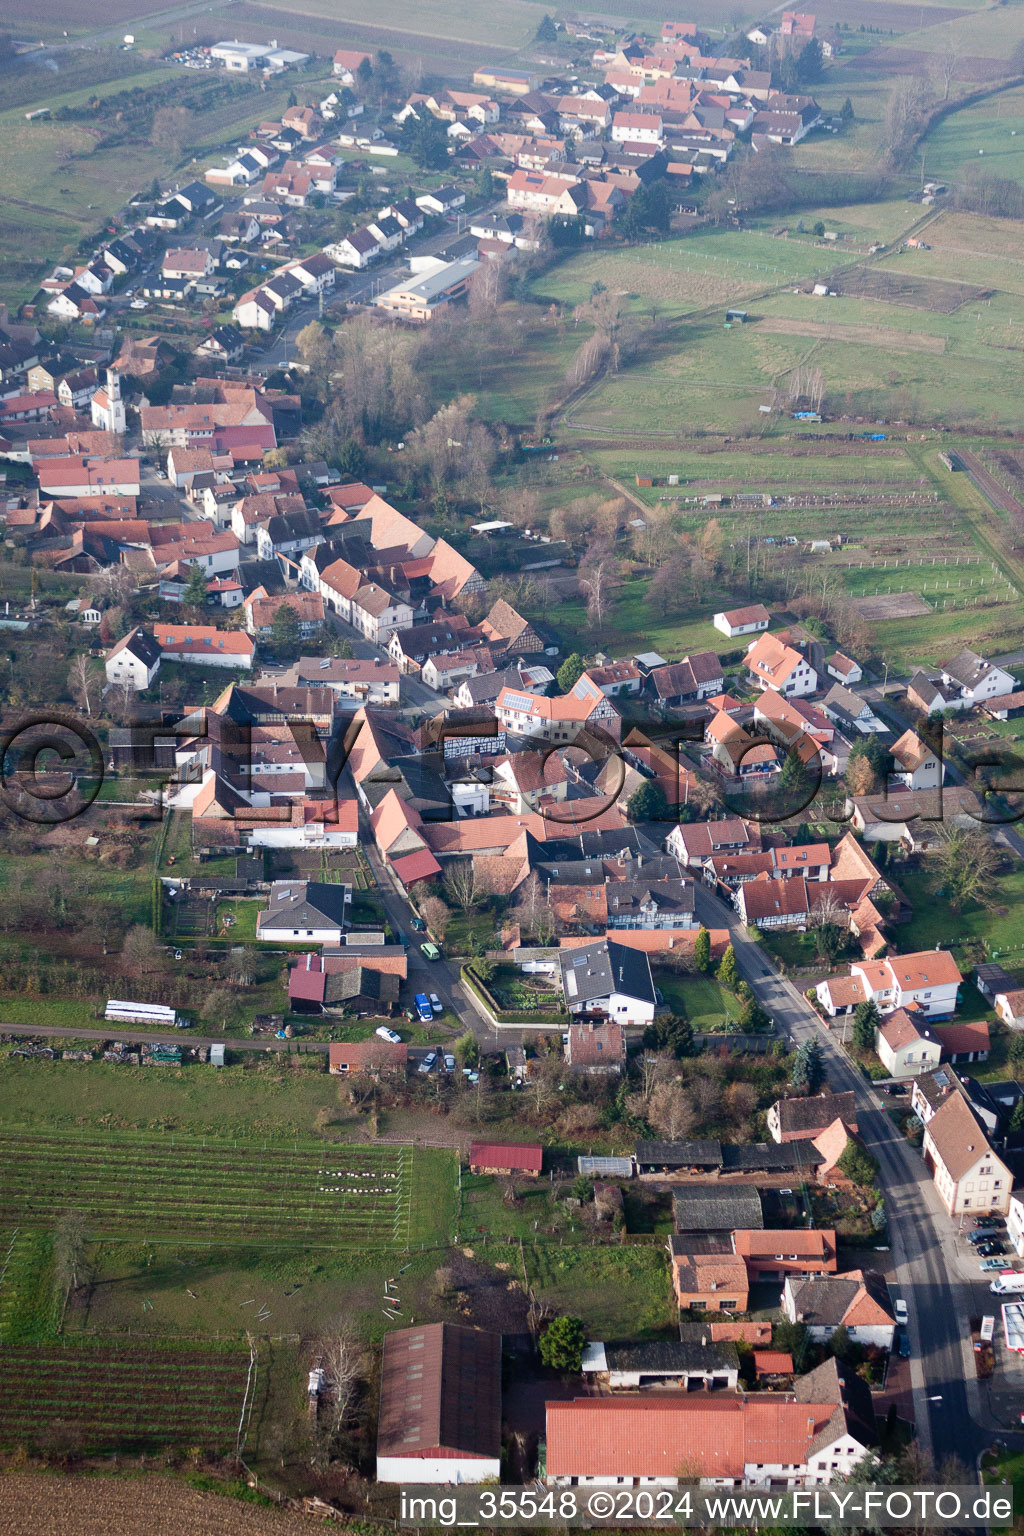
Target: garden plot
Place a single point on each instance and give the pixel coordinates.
(102, 1397)
(185, 1189)
(890, 605)
(888, 287)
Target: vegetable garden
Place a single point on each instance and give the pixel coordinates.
(201, 1190)
(102, 1396)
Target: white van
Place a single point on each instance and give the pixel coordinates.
(1010, 1283)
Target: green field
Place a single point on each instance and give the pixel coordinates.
(701, 999)
(168, 1188)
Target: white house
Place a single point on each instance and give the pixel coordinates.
(135, 660)
(926, 981)
(773, 664)
(916, 765)
(375, 612)
(357, 249)
(610, 978)
(304, 909)
(1015, 1224)
(975, 679)
(967, 1173)
(905, 1046)
(857, 1301)
(742, 621)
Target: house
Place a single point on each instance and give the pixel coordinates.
(616, 678)
(766, 903)
(698, 676)
(507, 1158)
(133, 661)
(974, 679)
(357, 249)
(261, 611)
(916, 766)
(347, 62)
(742, 621)
(693, 844)
(776, 1255)
(609, 978)
(205, 645)
(224, 344)
(773, 664)
(968, 1175)
(1009, 1005)
(559, 719)
(801, 1119)
(857, 1301)
(304, 909)
(373, 1057)
(905, 1047)
(817, 1433)
(442, 200)
(926, 981)
(375, 612)
(440, 1406)
(707, 1282)
(596, 1047)
(649, 904)
(852, 713)
(844, 669)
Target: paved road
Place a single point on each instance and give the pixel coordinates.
(926, 1264)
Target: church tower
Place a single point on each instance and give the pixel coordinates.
(115, 405)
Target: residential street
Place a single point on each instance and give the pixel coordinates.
(947, 1401)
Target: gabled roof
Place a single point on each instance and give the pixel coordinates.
(440, 1393)
(957, 1136)
(810, 1116)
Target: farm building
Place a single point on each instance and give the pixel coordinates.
(440, 1406)
(373, 1057)
(506, 1157)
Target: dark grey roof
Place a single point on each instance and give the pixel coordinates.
(668, 1355)
(630, 897)
(770, 1157)
(595, 971)
(813, 1114)
(144, 646)
(305, 904)
(712, 1208)
(679, 1154)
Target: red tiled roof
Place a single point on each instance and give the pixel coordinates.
(515, 1156)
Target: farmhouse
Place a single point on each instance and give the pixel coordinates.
(742, 621)
(800, 1119)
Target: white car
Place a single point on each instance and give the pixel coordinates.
(435, 1003)
(449, 1062)
(390, 1035)
(900, 1313)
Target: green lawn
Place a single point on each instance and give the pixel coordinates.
(707, 1004)
(998, 928)
(621, 1292)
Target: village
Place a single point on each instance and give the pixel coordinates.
(619, 1041)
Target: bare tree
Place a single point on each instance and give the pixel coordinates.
(140, 953)
(460, 883)
(436, 915)
(672, 1112)
(948, 63)
(82, 681)
(68, 1252)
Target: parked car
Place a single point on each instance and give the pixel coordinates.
(430, 951)
(990, 1264)
(423, 1009)
(983, 1235)
(904, 1345)
(989, 1249)
(436, 1003)
(901, 1313)
(390, 1035)
(449, 1062)
(418, 925)
(987, 1223)
(427, 1064)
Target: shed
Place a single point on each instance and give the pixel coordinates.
(216, 1055)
